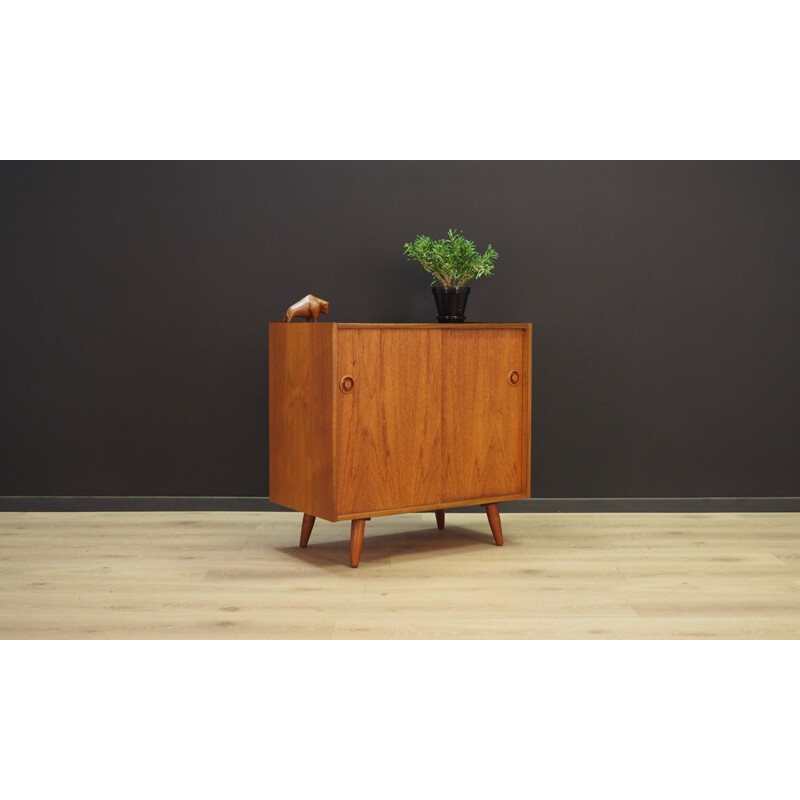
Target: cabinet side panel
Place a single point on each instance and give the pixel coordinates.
(300, 417)
(388, 427)
(526, 422)
(484, 424)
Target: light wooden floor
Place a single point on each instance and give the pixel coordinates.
(241, 575)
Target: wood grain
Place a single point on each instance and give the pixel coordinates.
(473, 501)
(527, 412)
(435, 326)
(224, 575)
(485, 429)
(388, 428)
(301, 417)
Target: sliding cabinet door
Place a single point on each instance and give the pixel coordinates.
(485, 384)
(388, 419)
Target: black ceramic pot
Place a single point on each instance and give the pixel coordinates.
(450, 302)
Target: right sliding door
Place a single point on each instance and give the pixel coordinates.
(485, 412)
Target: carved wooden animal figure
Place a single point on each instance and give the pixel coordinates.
(309, 307)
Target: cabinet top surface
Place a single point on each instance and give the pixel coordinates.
(437, 325)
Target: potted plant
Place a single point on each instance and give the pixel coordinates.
(453, 262)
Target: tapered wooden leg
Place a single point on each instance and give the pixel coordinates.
(356, 540)
(440, 519)
(494, 523)
(305, 531)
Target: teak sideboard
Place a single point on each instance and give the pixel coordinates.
(368, 420)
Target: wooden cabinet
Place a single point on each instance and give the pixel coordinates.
(369, 420)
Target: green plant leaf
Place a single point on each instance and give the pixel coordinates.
(452, 261)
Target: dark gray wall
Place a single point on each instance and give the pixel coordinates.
(135, 298)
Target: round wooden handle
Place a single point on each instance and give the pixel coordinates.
(513, 377)
(346, 384)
